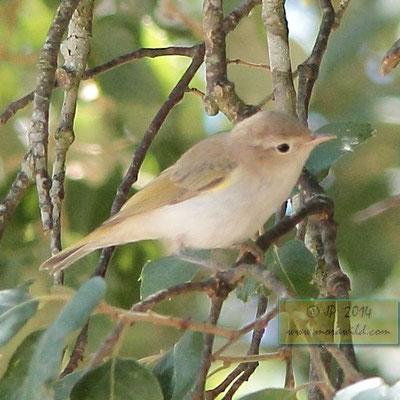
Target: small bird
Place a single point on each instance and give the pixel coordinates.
(218, 194)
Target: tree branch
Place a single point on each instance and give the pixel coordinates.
(278, 48)
(16, 192)
(245, 370)
(230, 22)
(38, 131)
(90, 73)
(351, 373)
(309, 69)
(323, 380)
(197, 53)
(206, 357)
(140, 53)
(147, 304)
(15, 106)
(75, 51)
(220, 93)
(175, 97)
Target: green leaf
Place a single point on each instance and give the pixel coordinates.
(187, 356)
(164, 371)
(271, 394)
(177, 370)
(164, 273)
(11, 385)
(247, 288)
(63, 387)
(45, 364)
(16, 307)
(118, 379)
(295, 265)
(349, 135)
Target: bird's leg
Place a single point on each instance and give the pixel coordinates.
(252, 248)
(198, 257)
(193, 258)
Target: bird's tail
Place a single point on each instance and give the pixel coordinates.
(116, 230)
(65, 258)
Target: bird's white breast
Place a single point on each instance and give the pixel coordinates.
(223, 217)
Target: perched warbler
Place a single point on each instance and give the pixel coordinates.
(218, 194)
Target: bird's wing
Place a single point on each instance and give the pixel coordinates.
(206, 166)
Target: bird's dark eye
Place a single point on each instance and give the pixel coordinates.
(283, 148)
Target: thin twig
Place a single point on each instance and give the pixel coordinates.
(323, 378)
(340, 11)
(289, 372)
(75, 50)
(250, 358)
(16, 192)
(147, 304)
(196, 91)
(109, 65)
(248, 369)
(309, 69)
(315, 206)
(206, 358)
(315, 390)
(258, 323)
(336, 283)
(228, 278)
(77, 353)
(229, 24)
(274, 18)
(171, 10)
(242, 10)
(140, 53)
(38, 130)
(391, 59)
(376, 209)
(15, 106)
(237, 61)
(131, 175)
(182, 324)
(351, 374)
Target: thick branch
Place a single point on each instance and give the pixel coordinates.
(279, 60)
(220, 94)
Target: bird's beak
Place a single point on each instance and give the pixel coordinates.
(314, 140)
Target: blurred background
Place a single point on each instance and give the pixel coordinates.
(116, 107)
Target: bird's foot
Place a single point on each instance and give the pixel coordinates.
(251, 248)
